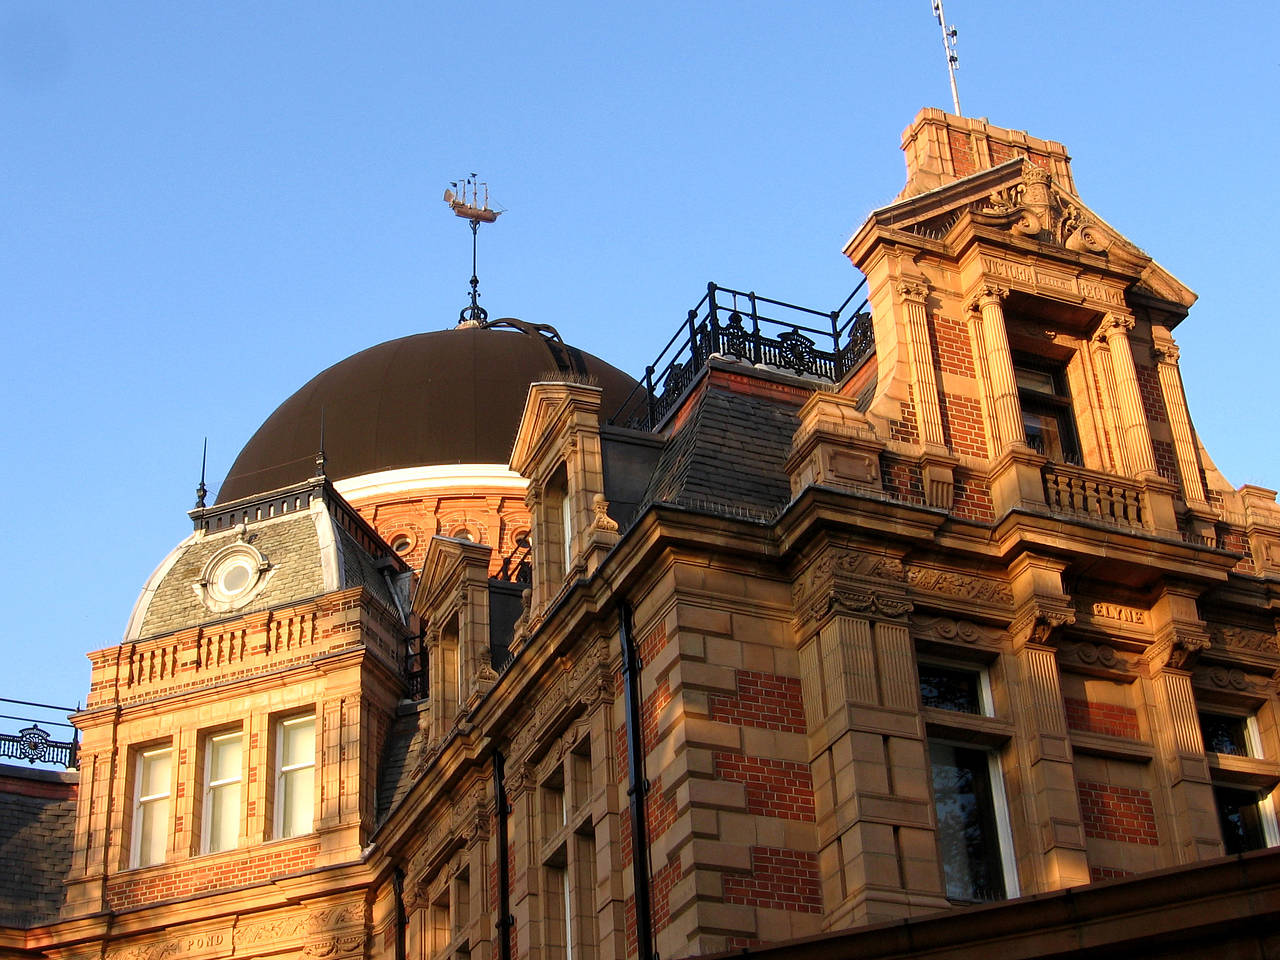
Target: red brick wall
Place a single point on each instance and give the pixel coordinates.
(905, 428)
(1117, 813)
(962, 424)
(763, 700)
(972, 498)
(1166, 460)
(1152, 397)
(157, 886)
(951, 347)
(780, 879)
(962, 158)
(902, 481)
(1106, 718)
(775, 788)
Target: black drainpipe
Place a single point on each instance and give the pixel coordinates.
(397, 884)
(505, 920)
(639, 786)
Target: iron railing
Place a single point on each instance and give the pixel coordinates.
(748, 328)
(34, 744)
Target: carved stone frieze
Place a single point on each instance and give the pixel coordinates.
(1088, 654)
(961, 585)
(202, 943)
(274, 931)
(1245, 638)
(948, 630)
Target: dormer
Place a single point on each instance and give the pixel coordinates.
(1020, 336)
(558, 450)
(452, 604)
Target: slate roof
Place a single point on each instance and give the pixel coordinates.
(35, 854)
(290, 543)
(405, 746)
(728, 456)
(291, 547)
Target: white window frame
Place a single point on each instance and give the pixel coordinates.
(566, 527)
(141, 801)
(282, 771)
(215, 788)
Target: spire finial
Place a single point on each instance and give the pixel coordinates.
(949, 45)
(201, 490)
(320, 457)
(477, 211)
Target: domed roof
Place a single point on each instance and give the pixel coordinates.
(453, 396)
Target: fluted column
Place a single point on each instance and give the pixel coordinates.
(1003, 385)
(924, 384)
(1133, 419)
(1175, 401)
(978, 344)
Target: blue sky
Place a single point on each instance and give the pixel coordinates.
(203, 205)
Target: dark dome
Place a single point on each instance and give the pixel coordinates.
(454, 396)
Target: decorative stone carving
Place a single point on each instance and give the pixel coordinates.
(1091, 654)
(952, 631)
(1244, 638)
(958, 585)
(1229, 678)
(602, 520)
(912, 289)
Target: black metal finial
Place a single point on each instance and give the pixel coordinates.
(476, 211)
(201, 490)
(320, 457)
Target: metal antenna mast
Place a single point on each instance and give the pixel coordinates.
(949, 45)
(477, 211)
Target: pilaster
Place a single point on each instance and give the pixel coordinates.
(913, 295)
(1136, 436)
(1175, 401)
(1001, 387)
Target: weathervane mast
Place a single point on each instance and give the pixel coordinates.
(949, 45)
(476, 212)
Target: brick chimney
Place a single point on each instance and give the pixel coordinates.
(941, 148)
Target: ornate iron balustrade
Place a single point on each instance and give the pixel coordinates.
(748, 328)
(34, 744)
(1082, 493)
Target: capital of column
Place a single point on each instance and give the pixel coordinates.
(1114, 325)
(912, 289)
(1167, 352)
(987, 294)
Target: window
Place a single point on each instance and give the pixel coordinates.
(954, 688)
(566, 521)
(295, 776)
(1046, 410)
(973, 827)
(973, 835)
(222, 773)
(1246, 815)
(151, 807)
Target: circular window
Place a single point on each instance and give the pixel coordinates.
(232, 577)
(462, 533)
(402, 544)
